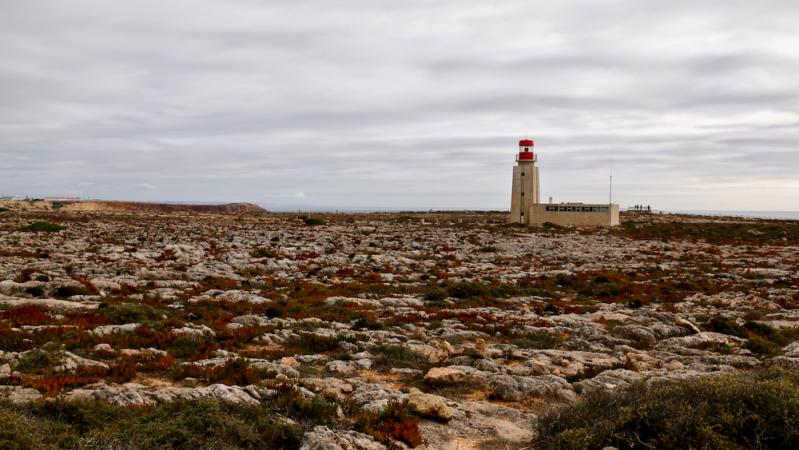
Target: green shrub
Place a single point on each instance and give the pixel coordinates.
(435, 294)
(760, 337)
(16, 431)
(45, 227)
(314, 411)
(38, 361)
(234, 372)
(203, 423)
(82, 416)
(186, 345)
(310, 343)
(725, 325)
(398, 356)
(462, 390)
(755, 410)
(311, 221)
(766, 340)
(761, 346)
(539, 340)
(764, 232)
(209, 424)
(467, 290)
(121, 313)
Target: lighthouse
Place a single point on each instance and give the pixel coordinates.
(526, 207)
(526, 191)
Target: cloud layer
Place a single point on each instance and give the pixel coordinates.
(416, 104)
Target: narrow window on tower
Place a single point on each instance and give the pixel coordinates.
(522, 194)
(522, 173)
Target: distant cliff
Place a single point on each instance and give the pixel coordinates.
(106, 205)
(102, 205)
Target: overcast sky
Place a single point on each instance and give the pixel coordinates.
(401, 104)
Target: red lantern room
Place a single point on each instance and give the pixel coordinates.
(525, 150)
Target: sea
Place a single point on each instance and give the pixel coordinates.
(783, 215)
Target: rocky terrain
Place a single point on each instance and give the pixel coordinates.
(437, 330)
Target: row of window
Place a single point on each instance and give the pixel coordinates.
(559, 208)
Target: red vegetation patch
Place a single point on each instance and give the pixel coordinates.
(395, 423)
(26, 315)
(52, 384)
(234, 372)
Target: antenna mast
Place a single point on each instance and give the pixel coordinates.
(610, 187)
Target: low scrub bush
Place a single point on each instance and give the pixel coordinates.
(435, 294)
(41, 227)
(398, 356)
(122, 313)
(467, 389)
(38, 361)
(764, 232)
(187, 345)
(539, 340)
(309, 343)
(312, 221)
(760, 337)
(468, 290)
(234, 372)
(753, 410)
(192, 424)
(312, 411)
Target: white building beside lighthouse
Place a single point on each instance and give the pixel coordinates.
(526, 207)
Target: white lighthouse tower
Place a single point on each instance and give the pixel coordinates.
(526, 190)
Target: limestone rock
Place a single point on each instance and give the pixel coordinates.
(608, 380)
(700, 340)
(444, 375)
(105, 330)
(517, 388)
(323, 438)
(791, 350)
(19, 394)
(342, 367)
(429, 405)
(133, 394)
